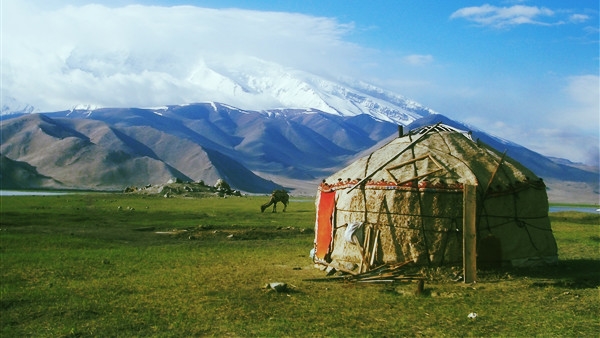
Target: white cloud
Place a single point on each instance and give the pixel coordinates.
(565, 143)
(555, 116)
(499, 17)
(56, 56)
(137, 55)
(418, 60)
(585, 89)
(578, 18)
(557, 141)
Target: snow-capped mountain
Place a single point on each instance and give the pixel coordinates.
(258, 85)
(277, 127)
(261, 85)
(254, 151)
(10, 105)
(111, 148)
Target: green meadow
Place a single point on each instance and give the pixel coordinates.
(111, 264)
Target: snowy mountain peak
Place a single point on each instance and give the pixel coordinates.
(259, 85)
(84, 107)
(10, 105)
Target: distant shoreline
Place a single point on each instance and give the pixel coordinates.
(48, 192)
(32, 193)
(553, 208)
(559, 208)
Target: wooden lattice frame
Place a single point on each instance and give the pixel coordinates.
(439, 167)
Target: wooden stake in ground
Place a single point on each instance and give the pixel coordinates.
(470, 233)
(374, 251)
(420, 287)
(364, 261)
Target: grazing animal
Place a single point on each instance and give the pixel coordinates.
(276, 197)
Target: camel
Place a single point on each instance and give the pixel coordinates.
(276, 197)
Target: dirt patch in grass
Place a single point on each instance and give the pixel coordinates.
(212, 232)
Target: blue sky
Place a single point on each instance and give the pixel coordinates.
(527, 71)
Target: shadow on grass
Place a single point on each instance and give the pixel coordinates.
(570, 273)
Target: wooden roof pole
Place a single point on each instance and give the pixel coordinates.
(494, 174)
(393, 157)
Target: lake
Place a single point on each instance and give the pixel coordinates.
(54, 193)
(32, 193)
(568, 208)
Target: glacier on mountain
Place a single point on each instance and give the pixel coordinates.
(268, 86)
(258, 85)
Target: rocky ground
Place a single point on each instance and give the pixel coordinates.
(176, 188)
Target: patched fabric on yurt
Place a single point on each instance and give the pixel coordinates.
(404, 202)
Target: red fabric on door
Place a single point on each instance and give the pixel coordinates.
(323, 223)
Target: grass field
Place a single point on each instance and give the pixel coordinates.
(94, 265)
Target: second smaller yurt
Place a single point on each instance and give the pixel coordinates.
(404, 202)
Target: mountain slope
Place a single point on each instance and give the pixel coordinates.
(294, 129)
(20, 175)
(69, 156)
(113, 148)
(254, 151)
(292, 143)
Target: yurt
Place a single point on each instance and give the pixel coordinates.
(405, 202)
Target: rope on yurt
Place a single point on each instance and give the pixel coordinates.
(513, 191)
(447, 239)
(485, 192)
(520, 223)
(482, 212)
(408, 214)
(402, 214)
(367, 166)
(362, 189)
(420, 198)
(523, 225)
(452, 229)
(481, 204)
(487, 187)
(365, 211)
(413, 142)
(384, 205)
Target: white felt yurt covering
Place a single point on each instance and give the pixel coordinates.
(404, 202)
